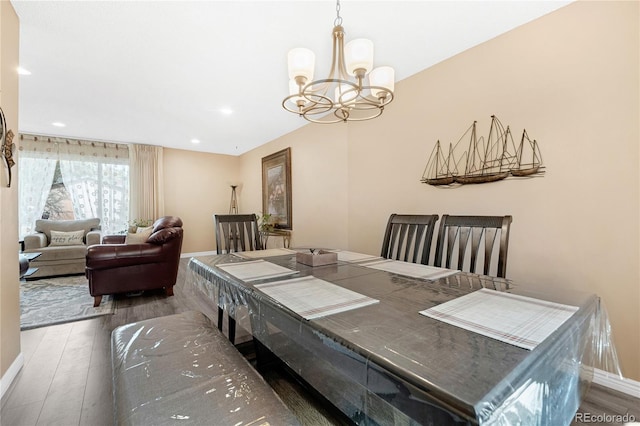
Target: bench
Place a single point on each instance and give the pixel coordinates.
(182, 369)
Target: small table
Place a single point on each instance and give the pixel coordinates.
(285, 234)
(25, 258)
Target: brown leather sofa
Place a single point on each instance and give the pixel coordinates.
(115, 267)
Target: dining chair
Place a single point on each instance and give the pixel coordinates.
(408, 237)
(455, 232)
(235, 233)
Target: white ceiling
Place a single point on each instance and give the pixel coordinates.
(159, 72)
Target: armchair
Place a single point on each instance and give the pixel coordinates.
(115, 267)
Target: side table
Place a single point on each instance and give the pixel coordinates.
(25, 258)
(284, 233)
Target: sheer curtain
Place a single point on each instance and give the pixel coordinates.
(146, 182)
(37, 164)
(96, 175)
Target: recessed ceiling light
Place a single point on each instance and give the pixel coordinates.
(226, 111)
(195, 141)
(58, 124)
(23, 71)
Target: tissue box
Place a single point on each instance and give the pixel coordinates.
(323, 258)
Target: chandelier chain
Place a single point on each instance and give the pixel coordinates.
(338, 20)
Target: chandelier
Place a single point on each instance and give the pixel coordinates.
(353, 91)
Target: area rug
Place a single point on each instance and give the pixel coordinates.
(50, 301)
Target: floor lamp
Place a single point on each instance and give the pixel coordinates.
(233, 207)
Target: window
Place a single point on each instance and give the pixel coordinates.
(58, 205)
(69, 179)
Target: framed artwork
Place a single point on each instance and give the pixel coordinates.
(276, 188)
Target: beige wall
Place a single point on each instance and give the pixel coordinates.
(571, 79)
(197, 185)
(319, 184)
(9, 289)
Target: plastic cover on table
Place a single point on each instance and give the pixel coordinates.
(371, 362)
(588, 345)
(174, 370)
(603, 354)
(203, 295)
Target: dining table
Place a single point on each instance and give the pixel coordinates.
(389, 342)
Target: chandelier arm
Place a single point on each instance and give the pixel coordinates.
(356, 99)
(320, 88)
(339, 53)
(336, 58)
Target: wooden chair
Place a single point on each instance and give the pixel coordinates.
(234, 233)
(237, 232)
(408, 237)
(455, 232)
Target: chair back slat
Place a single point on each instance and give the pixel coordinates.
(409, 237)
(456, 231)
(420, 230)
(236, 232)
(463, 241)
(490, 235)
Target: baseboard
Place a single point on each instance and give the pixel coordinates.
(201, 253)
(10, 374)
(615, 382)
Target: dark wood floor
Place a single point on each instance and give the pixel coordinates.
(66, 378)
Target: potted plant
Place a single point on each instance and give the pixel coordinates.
(265, 224)
(139, 223)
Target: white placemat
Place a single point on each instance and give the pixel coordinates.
(257, 254)
(311, 297)
(518, 320)
(254, 270)
(352, 256)
(415, 270)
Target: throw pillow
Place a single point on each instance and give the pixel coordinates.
(46, 226)
(145, 229)
(73, 238)
(138, 237)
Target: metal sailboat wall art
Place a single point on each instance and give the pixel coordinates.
(485, 160)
